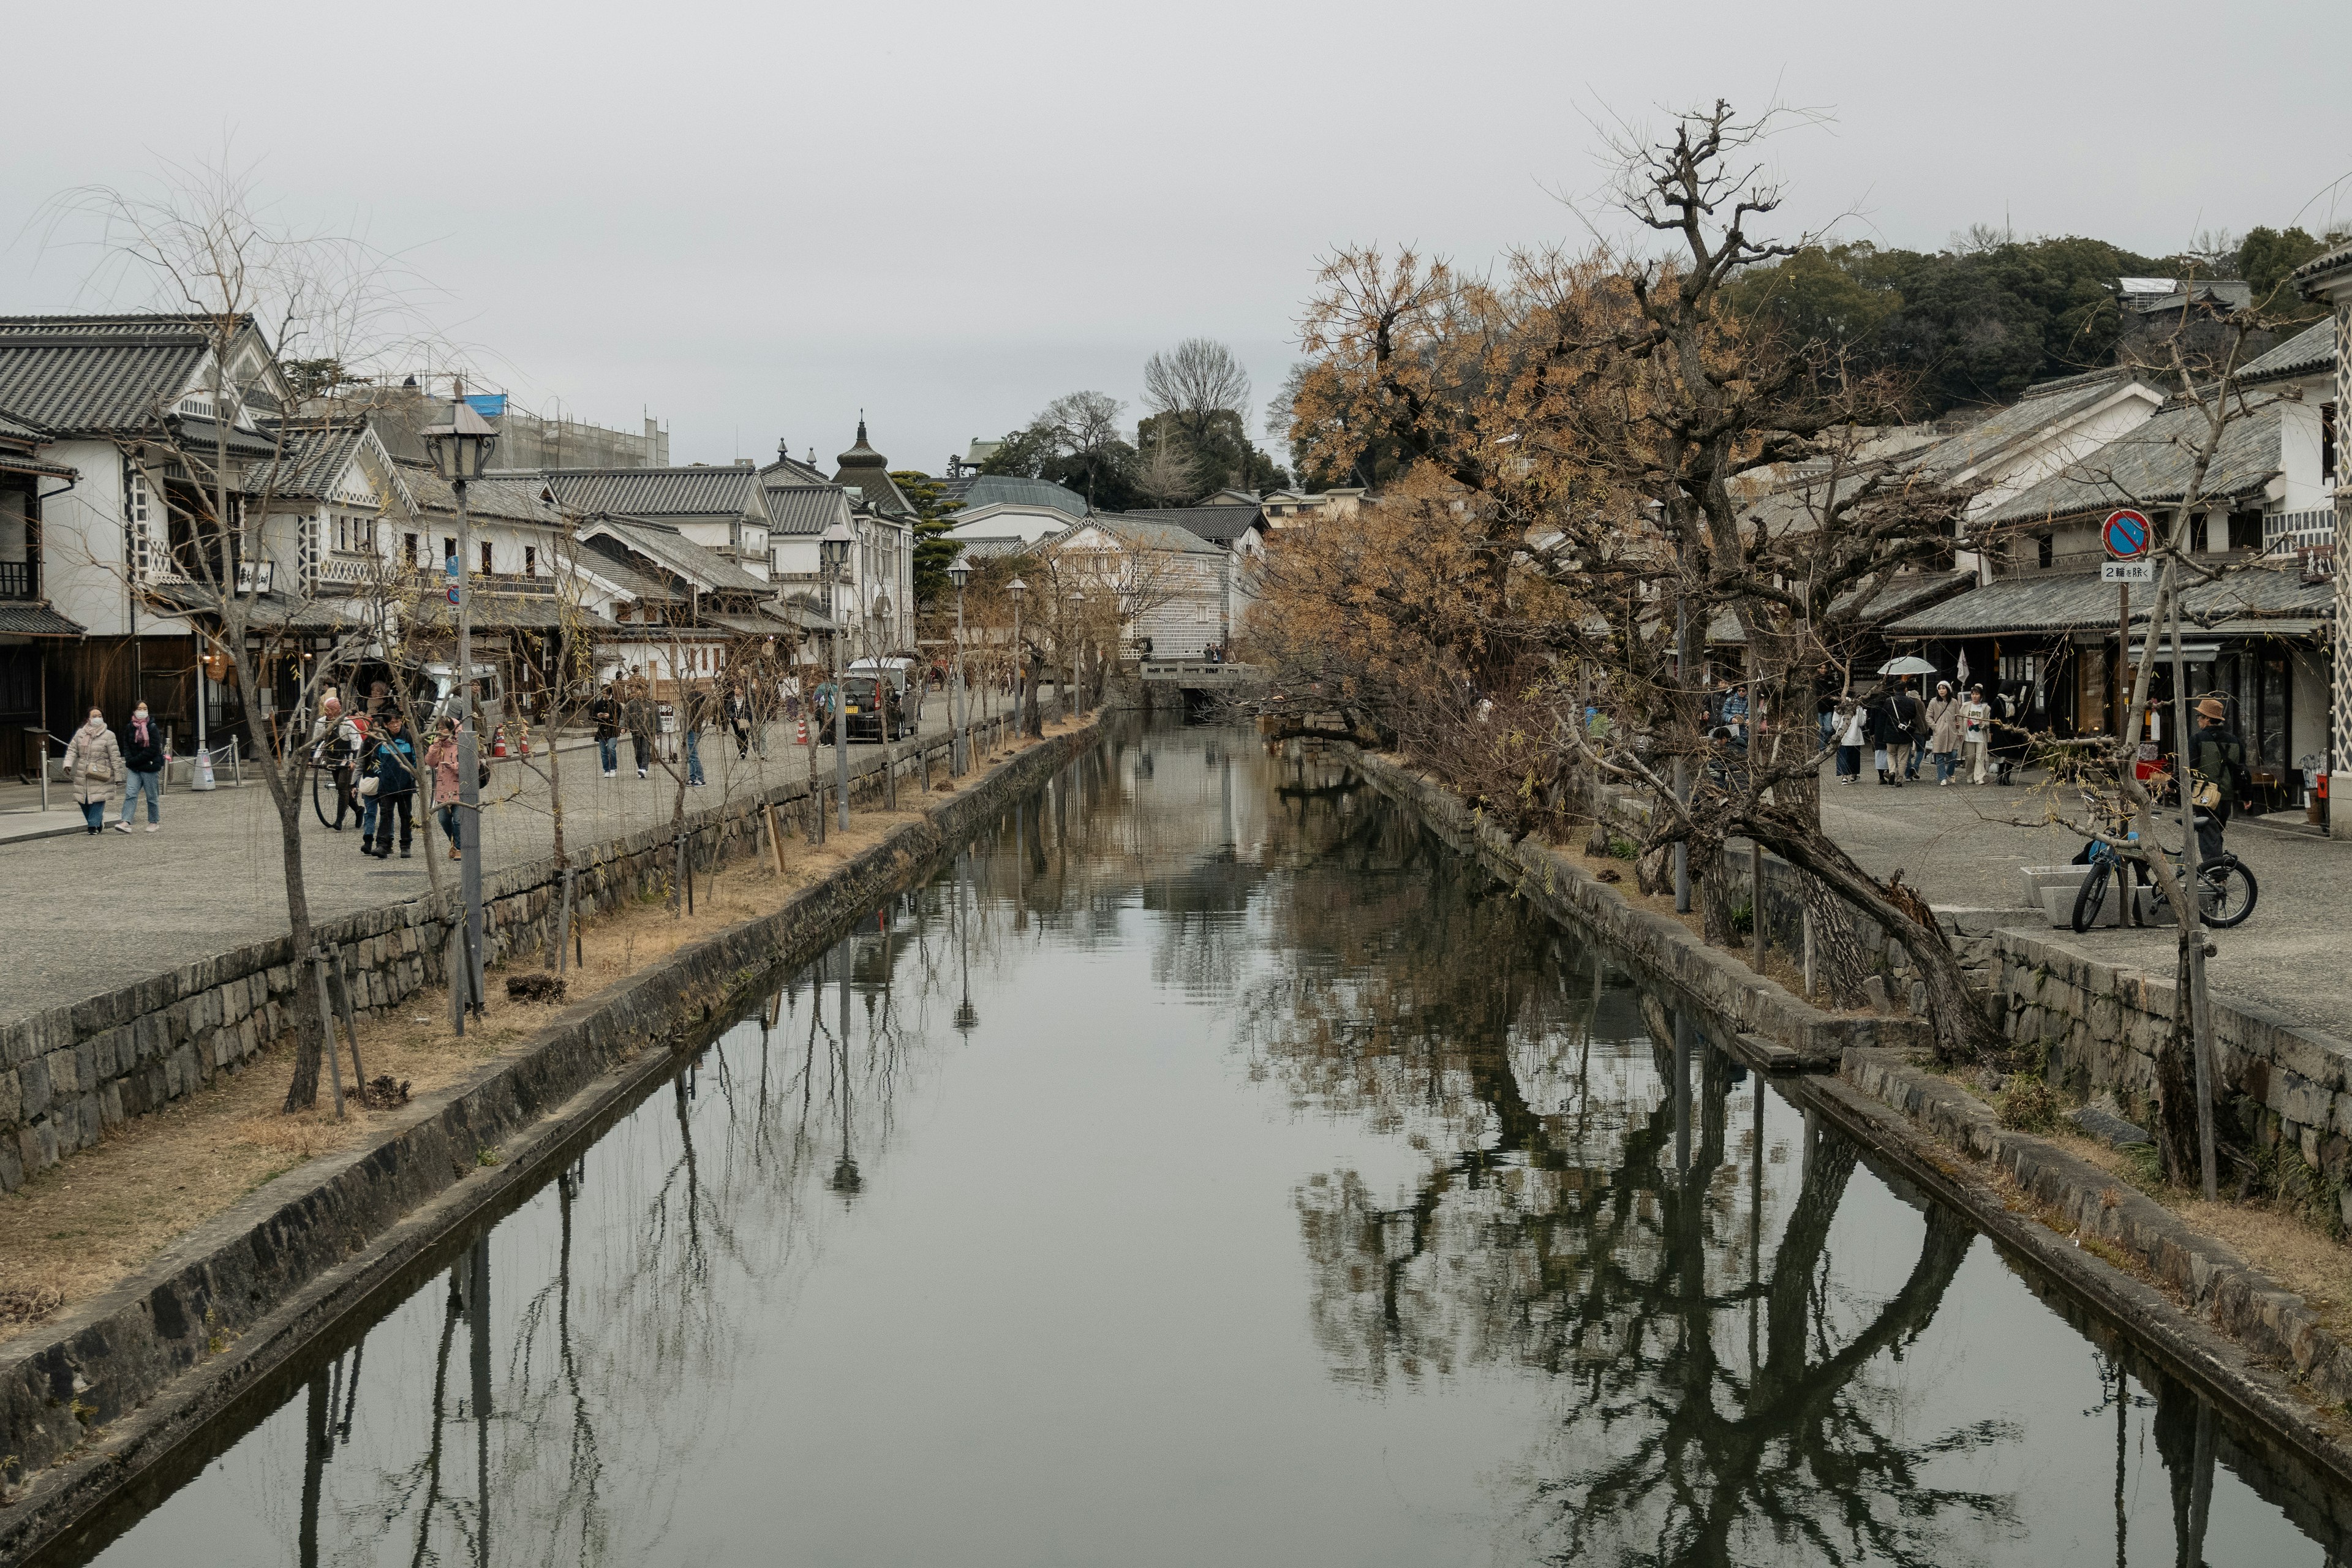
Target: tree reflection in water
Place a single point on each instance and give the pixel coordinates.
(1716, 1408)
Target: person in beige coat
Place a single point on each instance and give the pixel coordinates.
(94, 767)
(1944, 731)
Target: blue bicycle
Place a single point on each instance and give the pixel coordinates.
(2226, 890)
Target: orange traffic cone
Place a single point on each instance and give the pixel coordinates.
(803, 740)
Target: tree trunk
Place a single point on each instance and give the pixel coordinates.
(1963, 1023)
(2176, 1086)
(310, 1045)
(1841, 964)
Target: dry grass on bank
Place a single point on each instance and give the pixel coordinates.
(2283, 1244)
(77, 1228)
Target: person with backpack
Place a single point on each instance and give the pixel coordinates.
(2217, 777)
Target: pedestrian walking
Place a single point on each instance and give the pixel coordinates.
(1943, 733)
(638, 711)
(604, 713)
(93, 766)
(143, 759)
(448, 793)
(693, 712)
(1976, 733)
(1886, 727)
(739, 718)
(1852, 733)
(2218, 778)
(392, 765)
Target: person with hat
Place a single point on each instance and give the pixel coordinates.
(2218, 778)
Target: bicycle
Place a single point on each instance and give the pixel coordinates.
(2226, 890)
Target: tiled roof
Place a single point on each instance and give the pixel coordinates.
(657, 492)
(2041, 407)
(129, 327)
(805, 509)
(2074, 600)
(2312, 349)
(94, 387)
(978, 490)
(623, 578)
(1217, 524)
(2318, 267)
(675, 553)
(2153, 463)
(31, 618)
(310, 463)
(1145, 533)
(511, 498)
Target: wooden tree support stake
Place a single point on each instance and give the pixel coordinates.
(327, 1024)
(775, 839)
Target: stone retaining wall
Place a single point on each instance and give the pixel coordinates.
(69, 1072)
(1663, 949)
(84, 1402)
(2099, 1026)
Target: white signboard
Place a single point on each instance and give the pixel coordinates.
(2128, 571)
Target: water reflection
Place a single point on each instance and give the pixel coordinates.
(1208, 1166)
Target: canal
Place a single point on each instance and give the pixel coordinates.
(1208, 1166)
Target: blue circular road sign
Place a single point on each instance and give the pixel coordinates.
(2125, 534)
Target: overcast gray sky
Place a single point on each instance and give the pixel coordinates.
(753, 220)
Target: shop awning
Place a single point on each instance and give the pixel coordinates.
(31, 618)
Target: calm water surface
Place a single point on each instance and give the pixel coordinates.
(1209, 1168)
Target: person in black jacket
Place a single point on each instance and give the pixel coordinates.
(391, 761)
(1887, 736)
(606, 714)
(1911, 724)
(142, 766)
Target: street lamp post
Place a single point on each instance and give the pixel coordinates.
(461, 451)
(1020, 665)
(959, 753)
(833, 545)
(1070, 657)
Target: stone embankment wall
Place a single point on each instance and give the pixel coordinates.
(89, 1401)
(1663, 949)
(69, 1072)
(2099, 1026)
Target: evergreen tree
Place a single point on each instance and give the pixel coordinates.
(934, 550)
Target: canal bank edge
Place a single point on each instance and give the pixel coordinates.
(2244, 1338)
(126, 1377)
(1781, 1029)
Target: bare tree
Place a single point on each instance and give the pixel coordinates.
(1192, 383)
(243, 473)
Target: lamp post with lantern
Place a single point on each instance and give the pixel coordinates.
(959, 753)
(461, 452)
(1070, 657)
(833, 548)
(1020, 665)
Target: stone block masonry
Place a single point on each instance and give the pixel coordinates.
(2098, 1027)
(70, 1072)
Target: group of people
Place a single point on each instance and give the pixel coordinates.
(98, 760)
(627, 705)
(1954, 733)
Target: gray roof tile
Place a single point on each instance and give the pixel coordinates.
(94, 387)
(1217, 524)
(657, 492)
(2312, 349)
(2152, 464)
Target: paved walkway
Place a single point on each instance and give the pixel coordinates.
(1963, 845)
(83, 915)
